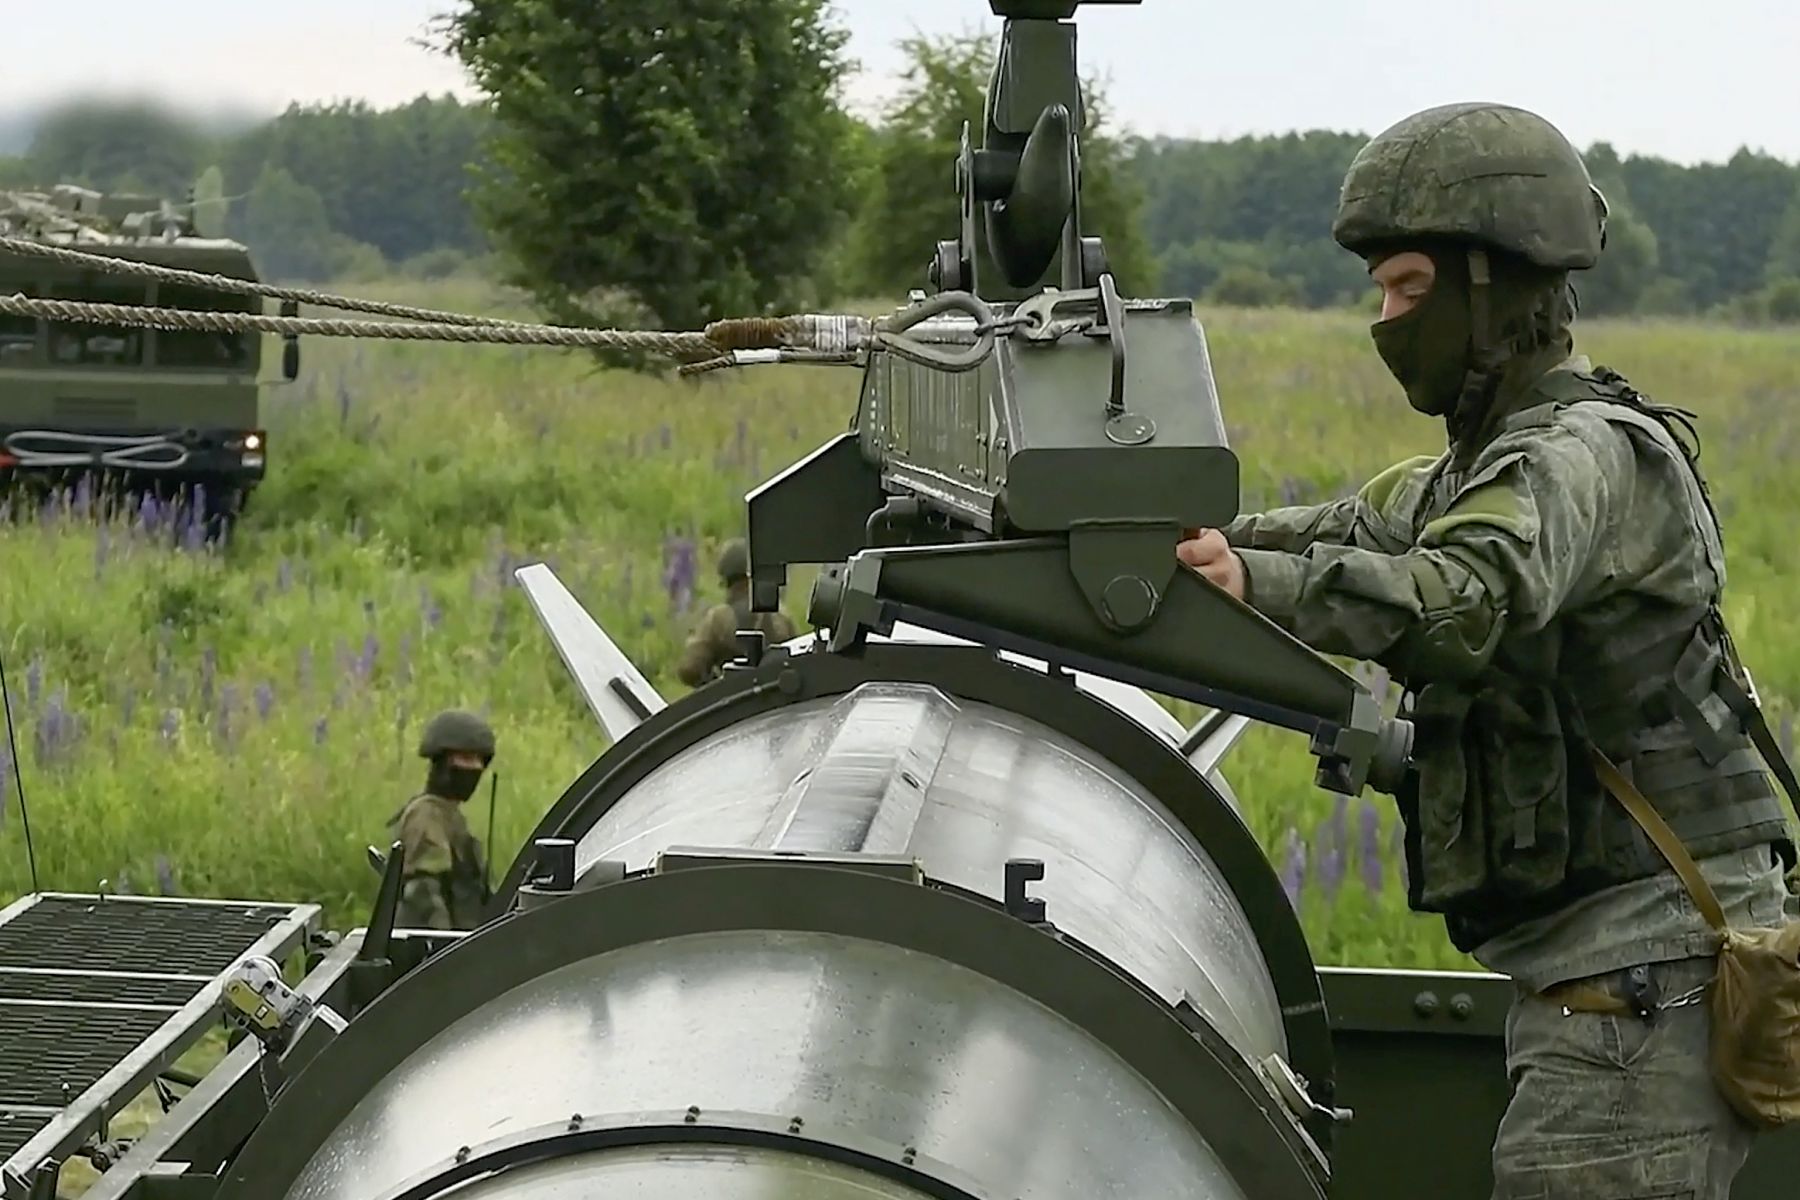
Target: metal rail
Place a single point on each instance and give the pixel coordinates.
(113, 1047)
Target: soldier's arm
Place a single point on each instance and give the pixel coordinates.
(1346, 522)
(702, 652)
(1507, 551)
(427, 866)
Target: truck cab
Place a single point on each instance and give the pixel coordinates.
(169, 412)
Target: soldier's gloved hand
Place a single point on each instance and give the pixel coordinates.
(1210, 554)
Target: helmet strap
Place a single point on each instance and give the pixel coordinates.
(1483, 378)
(1479, 279)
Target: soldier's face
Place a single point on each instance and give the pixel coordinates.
(464, 759)
(1404, 279)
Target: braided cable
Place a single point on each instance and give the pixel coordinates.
(241, 287)
(674, 345)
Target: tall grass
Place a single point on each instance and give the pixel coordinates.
(242, 721)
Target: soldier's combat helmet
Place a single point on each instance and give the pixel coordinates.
(734, 561)
(1486, 173)
(454, 730)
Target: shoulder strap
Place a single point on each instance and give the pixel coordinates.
(1658, 831)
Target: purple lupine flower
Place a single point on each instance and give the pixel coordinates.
(679, 572)
(1291, 490)
(320, 728)
(57, 728)
(165, 876)
(83, 501)
(365, 662)
(193, 537)
(265, 700)
(171, 724)
(1332, 861)
(1369, 856)
(1293, 867)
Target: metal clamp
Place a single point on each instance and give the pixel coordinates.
(256, 998)
(1020, 874)
(890, 333)
(1035, 315)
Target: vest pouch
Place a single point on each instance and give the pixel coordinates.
(1756, 1024)
(1451, 837)
(1526, 759)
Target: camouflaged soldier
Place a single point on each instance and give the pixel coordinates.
(714, 640)
(445, 875)
(1552, 579)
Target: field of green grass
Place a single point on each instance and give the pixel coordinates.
(242, 722)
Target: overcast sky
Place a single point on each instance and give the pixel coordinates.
(1669, 77)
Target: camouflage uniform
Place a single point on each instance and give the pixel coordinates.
(1553, 576)
(445, 873)
(713, 643)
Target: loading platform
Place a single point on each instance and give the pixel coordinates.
(99, 995)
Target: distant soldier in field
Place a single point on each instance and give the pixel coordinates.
(714, 640)
(445, 873)
(1548, 591)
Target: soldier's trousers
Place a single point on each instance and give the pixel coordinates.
(1612, 1107)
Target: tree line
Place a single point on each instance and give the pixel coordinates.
(670, 172)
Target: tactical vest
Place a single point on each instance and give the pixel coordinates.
(1506, 820)
(775, 626)
(464, 888)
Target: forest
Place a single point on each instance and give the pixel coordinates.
(347, 191)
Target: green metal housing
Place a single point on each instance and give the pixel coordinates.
(148, 406)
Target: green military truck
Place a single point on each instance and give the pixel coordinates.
(163, 412)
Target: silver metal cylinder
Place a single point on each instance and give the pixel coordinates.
(905, 769)
(862, 1041)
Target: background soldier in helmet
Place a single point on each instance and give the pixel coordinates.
(1548, 585)
(713, 642)
(445, 873)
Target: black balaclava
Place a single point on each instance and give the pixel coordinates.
(1427, 347)
(1490, 325)
(452, 783)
